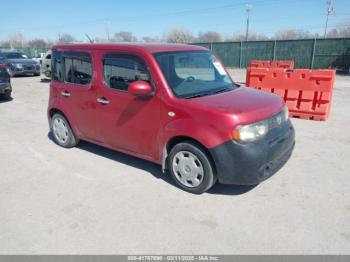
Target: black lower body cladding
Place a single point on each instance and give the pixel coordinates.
(5, 88)
(252, 163)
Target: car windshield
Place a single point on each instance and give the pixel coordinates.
(14, 55)
(193, 74)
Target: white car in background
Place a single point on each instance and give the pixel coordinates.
(46, 64)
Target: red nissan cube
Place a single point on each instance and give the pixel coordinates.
(171, 104)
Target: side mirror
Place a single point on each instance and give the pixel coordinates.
(140, 88)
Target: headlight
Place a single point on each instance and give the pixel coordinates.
(255, 131)
(252, 132)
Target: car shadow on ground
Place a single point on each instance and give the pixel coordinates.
(3, 100)
(23, 76)
(153, 168)
(45, 80)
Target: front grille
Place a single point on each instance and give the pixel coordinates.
(28, 67)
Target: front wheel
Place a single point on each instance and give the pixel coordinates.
(191, 167)
(62, 132)
(7, 95)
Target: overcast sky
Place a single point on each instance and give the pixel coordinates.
(46, 19)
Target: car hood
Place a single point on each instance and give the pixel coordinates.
(244, 104)
(22, 61)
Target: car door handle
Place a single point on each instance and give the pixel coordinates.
(103, 101)
(65, 93)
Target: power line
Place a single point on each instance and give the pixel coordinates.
(163, 14)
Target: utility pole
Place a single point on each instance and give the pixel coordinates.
(247, 9)
(330, 10)
(108, 24)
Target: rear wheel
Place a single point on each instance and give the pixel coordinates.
(191, 167)
(62, 132)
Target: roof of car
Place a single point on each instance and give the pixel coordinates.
(151, 48)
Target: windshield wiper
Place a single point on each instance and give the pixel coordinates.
(221, 90)
(196, 95)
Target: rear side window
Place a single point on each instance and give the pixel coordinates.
(77, 68)
(119, 70)
(56, 66)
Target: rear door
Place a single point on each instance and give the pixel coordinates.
(128, 122)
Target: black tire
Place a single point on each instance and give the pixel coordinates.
(209, 177)
(71, 140)
(7, 95)
(37, 74)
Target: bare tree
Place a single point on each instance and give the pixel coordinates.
(342, 30)
(38, 43)
(99, 39)
(124, 36)
(235, 37)
(257, 37)
(177, 35)
(210, 36)
(66, 38)
(152, 39)
(290, 34)
(5, 44)
(16, 40)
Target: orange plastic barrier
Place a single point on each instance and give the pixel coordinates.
(307, 93)
(272, 64)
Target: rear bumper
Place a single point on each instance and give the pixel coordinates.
(252, 163)
(25, 70)
(5, 87)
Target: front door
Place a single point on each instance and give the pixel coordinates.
(128, 122)
(78, 91)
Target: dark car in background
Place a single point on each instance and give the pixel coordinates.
(5, 82)
(19, 64)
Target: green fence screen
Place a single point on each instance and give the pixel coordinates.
(306, 53)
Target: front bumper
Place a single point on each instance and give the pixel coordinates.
(252, 163)
(5, 87)
(25, 70)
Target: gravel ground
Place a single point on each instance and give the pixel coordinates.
(92, 200)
